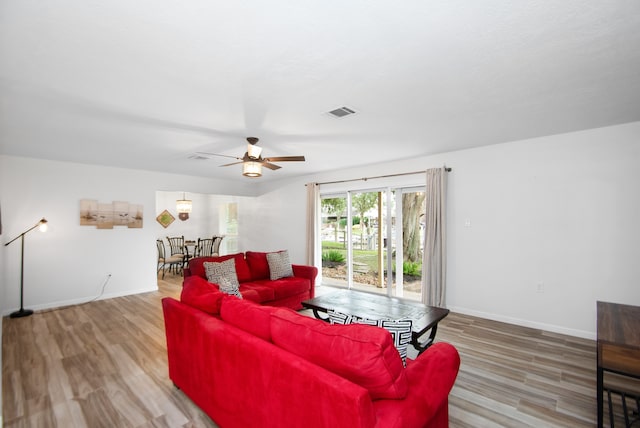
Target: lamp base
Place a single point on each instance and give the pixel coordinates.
(21, 313)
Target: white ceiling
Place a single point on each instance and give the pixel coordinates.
(144, 84)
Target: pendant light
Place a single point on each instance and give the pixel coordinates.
(183, 206)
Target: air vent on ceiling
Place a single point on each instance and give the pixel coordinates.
(341, 112)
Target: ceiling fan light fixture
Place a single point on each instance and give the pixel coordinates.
(254, 151)
(252, 169)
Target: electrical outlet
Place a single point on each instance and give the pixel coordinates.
(540, 287)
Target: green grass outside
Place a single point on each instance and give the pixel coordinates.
(368, 257)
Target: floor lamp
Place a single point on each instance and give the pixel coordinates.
(22, 312)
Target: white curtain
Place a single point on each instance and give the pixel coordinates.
(434, 261)
(313, 200)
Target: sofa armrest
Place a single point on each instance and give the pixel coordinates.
(200, 294)
(431, 377)
(308, 272)
(434, 370)
(195, 280)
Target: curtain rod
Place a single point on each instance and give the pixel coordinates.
(377, 176)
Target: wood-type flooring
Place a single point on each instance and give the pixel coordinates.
(103, 364)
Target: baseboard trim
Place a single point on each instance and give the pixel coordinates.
(526, 323)
(80, 301)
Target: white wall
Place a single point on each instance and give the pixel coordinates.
(279, 221)
(69, 263)
(560, 210)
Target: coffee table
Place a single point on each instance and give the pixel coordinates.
(375, 306)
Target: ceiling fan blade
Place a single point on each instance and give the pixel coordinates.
(271, 166)
(232, 163)
(285, 159)
(216, 154)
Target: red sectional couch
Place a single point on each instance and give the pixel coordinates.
(252, 270)
(248, 365)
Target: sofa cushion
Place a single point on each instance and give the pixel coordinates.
(400, 330)
(264, 289)
(258, 265)
(285, 287)
(223, 274)
(363, 354)
(248, 316)
(242, 268)
(200, 294)
(279, 265)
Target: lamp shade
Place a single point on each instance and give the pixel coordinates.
(252, 169)
(254, 151)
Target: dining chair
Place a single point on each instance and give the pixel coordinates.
(204, 247)
(178, 248)
(163, 261)
(216, 245)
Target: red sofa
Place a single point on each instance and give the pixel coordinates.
(252, 270)
(248, 365)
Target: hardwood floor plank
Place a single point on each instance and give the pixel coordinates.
(100, 411)
(68, 414)
(12, 396)
(479, 409)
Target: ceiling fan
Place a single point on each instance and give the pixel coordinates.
(252, 161)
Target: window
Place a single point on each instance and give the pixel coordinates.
(228, 227)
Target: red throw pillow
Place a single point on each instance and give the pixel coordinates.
(248, 316)
(258, 265)
(196, 266)
(363, 354)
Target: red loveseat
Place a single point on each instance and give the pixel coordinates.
(250, 365)
(252, 271)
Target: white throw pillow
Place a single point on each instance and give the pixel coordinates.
(224, 275)
(279, 265)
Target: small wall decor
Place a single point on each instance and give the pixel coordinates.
(135, 216)
(165, 218)
(104, 215)
(88, 212)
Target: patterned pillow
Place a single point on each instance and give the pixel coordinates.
(400, 329)
(224, 274)
(279, 265)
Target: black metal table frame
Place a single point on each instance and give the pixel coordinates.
(420, 346)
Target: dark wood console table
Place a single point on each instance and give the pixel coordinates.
(618, 344)
(375, 306)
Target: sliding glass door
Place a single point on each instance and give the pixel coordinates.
(372, 240)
